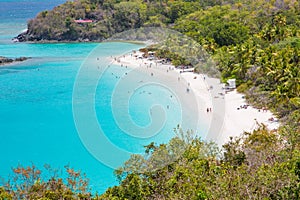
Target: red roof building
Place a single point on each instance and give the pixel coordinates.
(83, 21)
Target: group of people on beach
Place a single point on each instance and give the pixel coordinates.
(208, 110)
(243, 107)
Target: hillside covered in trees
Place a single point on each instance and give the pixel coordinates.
(222, 22)
(247, 39)
(107, 17)
(257, 42)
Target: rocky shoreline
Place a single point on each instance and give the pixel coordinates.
(5, 60)
(25, 37)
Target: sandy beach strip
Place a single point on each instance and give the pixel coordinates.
(229, 117)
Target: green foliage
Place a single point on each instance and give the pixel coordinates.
(129, 15)
(242, 88)
(252, 166)
(230, 33)
(109, 17)
(4, 195)
(182, 8)
(220, 24)
(233, 155)
(267, 66)
(30, 183)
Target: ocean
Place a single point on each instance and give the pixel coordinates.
(37, 103)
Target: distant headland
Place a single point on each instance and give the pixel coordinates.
(95, 21)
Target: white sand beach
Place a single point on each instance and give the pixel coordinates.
(227, 117)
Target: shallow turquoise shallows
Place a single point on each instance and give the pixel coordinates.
(36, 118)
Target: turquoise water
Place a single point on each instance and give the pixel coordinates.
(36, 119)
(37, 102)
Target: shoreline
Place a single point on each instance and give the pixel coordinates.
(147, 72)
(230, 116)
(5, 61)
(14, 40)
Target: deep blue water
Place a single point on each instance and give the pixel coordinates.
(37, 102)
